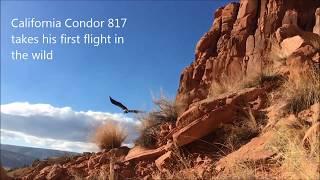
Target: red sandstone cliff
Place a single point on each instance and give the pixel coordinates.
(239, 41)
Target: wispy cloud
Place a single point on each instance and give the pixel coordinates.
(39, 142)
(57, 127)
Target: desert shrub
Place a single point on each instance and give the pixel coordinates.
(268, 75)
(229, 137)
(148, 130)
(311, 139)
(148, 136)
(296, 160)
(243, 130)
(302, 92)
(109, 135)
(165, 112)
(232, 136)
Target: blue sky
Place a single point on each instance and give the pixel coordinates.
(160, 38)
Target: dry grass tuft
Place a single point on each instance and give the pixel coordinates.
(224, 86)
(238, 171)
(301, 93)
(228, 138)
(109, 136)
(296, 160)
(182, 166)
(311, 139)
(241, 131)
(312, 39)
(269, 74)
(148, 135)
(166, 112)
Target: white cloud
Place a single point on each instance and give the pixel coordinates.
(34, 141)
(57, 127)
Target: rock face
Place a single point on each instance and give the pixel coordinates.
(254, 152)
(205, 116)
(239, 42)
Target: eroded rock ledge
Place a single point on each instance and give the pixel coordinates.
(239, 41)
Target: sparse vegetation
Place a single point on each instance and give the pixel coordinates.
(109, 135)
(239, 171)
(230, 137)
(166, 112)
(148, 134)
(302, 92)
(222, 87)
(311, 139)
(268, 74)
(180, 167)
(297, 160)
(241, 131)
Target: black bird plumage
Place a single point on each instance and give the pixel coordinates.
(123, 107)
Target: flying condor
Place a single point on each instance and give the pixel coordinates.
(123, 107)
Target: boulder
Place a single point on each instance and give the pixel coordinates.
(254, 152)
(316, 28)
(287, 31)
(290, 45)
(139, 153)
(300, 62)
(290, 18)
(205, 116)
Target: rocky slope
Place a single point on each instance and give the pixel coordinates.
(248, 105)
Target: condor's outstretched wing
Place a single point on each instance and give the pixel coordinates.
(119, 104)
(135, 111)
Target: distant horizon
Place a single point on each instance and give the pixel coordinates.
(38, 148)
